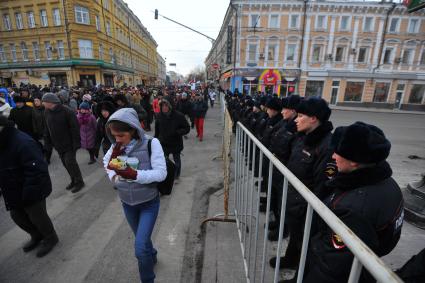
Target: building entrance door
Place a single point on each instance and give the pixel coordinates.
(109, 80)
(59, 79)
(334, 92)
(88, 80)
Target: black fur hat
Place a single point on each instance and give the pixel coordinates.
(274, 103)
(361, 142)
(291, 102)
(315, 106)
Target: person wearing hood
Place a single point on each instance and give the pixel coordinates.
(22, 116)
(170, 127)
(63, 133)
(7, 97)
(105, 110)
(4, 107)
(311, 162)
(25, 184)
(364, 196)
(136, 183)
(88, 126)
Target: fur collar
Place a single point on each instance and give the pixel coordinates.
(318, 134)
(361, 177)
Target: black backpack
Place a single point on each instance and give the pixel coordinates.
(165, 186)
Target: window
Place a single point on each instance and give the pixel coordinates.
(101, 51)
(31, 20)
(344, 23)
(339, 54)
(111, 55)
(381, 92)
(97, 22)
(387, 56)
(314, 88)
(106, 4)
(293, 21)
(13, 52)
(271, 52)
(362, 55)
(274, 21)
(368, 24)
(36, 51)
(43, 18)
(19, 23)
(321, 22)
(252, 52)
(2, 54)
(108, 28)
(82, 15)
(86, 48)
(407, 56)
(6, 22)
(24, 49)
(413, 26)
(61, 50)
(353, 91)
(290, 52)
(422, 60)
(394, 25)
(48, 49)
(254, 21)
(317, 50)
(417, 94)
(56, 17)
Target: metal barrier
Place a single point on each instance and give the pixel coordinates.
(247, 202)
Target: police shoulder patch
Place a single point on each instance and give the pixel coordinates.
(330, 170)
(337, 242)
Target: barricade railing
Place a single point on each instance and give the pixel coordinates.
(253, 238)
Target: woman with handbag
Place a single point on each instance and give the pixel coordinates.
(135, 173)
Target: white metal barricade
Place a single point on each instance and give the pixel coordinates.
(253, 238)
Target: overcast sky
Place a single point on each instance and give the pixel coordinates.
(179, 45)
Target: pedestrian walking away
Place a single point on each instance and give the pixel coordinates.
(136, 181)
(88, 126)
(25, 184)
(200, 108)
(63, 133)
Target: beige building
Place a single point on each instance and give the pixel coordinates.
(72, 42)
(353, 53)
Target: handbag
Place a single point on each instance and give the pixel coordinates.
(165, 186)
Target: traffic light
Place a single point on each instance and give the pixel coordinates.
(156, 14)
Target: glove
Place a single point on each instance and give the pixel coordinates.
(127, 173)
(116, 151)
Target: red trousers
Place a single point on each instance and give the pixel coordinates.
(199, 124)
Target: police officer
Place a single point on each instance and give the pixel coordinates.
(363, 180)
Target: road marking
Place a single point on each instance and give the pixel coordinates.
(14, 239)
(84, 253)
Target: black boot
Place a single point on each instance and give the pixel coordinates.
(285, 262)
(78, 187)
(32, 243)
(47, 245)
(70, 186)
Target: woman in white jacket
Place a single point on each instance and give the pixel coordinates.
(136, 184)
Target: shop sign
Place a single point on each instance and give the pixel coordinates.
(229, 45)
(215, 66)
(270, 78)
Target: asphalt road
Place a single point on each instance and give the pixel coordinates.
(96, 244)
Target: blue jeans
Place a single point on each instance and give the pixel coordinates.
(141, 218)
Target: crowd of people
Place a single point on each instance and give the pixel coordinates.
(346, 168)
(34, 120)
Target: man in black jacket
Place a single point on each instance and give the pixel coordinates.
(22, 116)
(365, 197)
(25, 184)
(170, 127)
(311, 162)
(63, 132)
(200, 108)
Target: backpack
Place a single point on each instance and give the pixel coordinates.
(165, 186)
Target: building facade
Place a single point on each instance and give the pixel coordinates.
(162, 70)
(350, 53)
(71, 42)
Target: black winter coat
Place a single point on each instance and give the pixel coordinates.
(370, 203)
(270, 127)
(170, 129)
(24, 177)
(311, 161)
(39, 123)
(23, 118)
(200, 108)
(185, 106)
(62, 129)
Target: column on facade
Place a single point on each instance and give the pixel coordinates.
(354, 40)
(331, 39)
(306, 41)
(378, 43)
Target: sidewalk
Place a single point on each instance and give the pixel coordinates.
(375, 110)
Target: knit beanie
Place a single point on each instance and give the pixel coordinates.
(85, 105)
(51, 97)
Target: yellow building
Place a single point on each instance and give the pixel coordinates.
(351, 53)
(71, 42)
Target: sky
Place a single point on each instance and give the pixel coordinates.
(178, 45)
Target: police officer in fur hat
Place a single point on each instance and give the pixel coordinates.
(363, 180)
